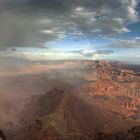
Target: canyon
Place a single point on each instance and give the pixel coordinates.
(71, 100)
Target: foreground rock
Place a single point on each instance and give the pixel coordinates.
(132, 134)
(2, 136)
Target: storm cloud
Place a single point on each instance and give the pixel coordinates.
(31, 23)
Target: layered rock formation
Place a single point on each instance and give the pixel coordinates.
(119, 87)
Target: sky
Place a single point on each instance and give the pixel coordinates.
(70, 30)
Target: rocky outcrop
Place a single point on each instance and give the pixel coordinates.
(107, 70)
(2, 136)
(116, 89)
(105, 136)
(132, 134)
(130, 105)
(126, 75)
(104, 86)
(41, 105)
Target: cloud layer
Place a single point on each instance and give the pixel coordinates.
(125, 43)
(31, 23)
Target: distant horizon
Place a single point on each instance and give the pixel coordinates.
(14, 59)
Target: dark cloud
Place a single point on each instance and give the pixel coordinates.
(104, 52)
(13, 49)
(53, 5)
(30, 23)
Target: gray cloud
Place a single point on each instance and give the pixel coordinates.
(126, 43)
(30, 23)
(104, 52)
(90, 53)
